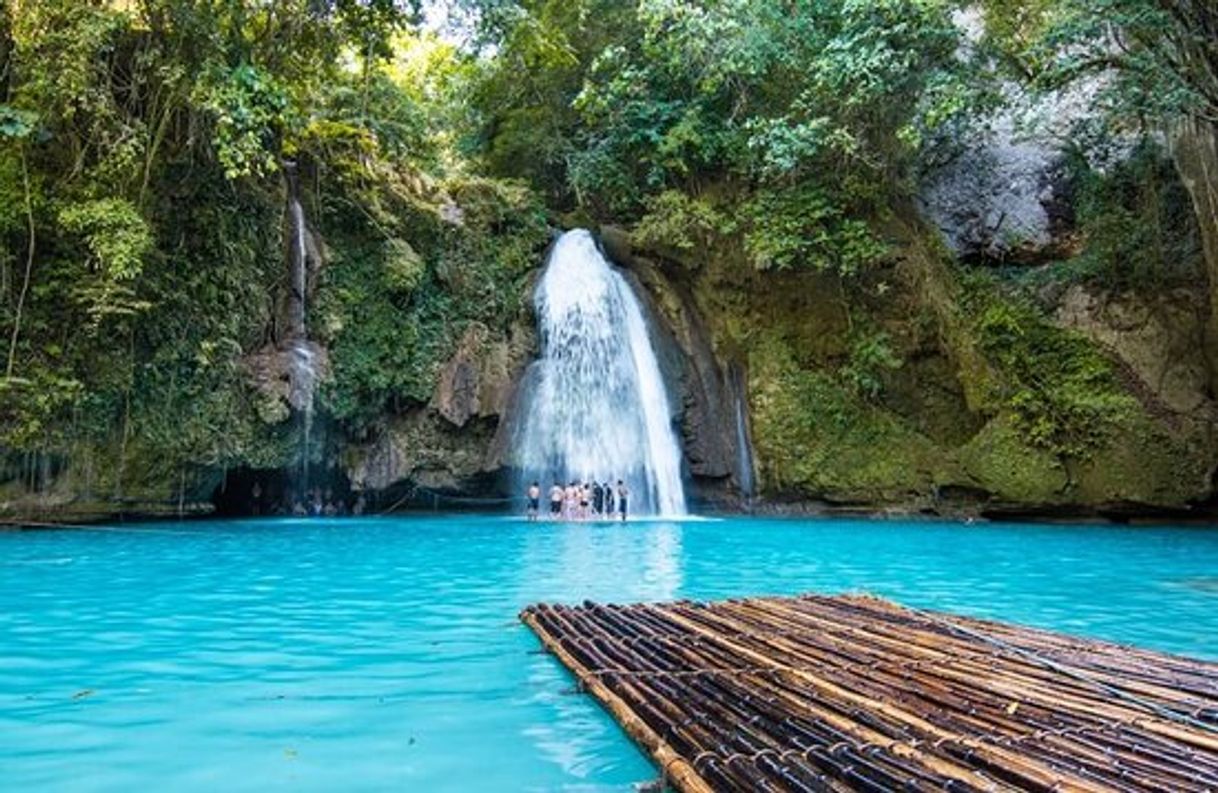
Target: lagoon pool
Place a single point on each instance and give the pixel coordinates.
(385, 653)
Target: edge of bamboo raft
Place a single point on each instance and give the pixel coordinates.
(673, 766)
(852, 692)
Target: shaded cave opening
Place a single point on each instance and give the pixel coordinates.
(245, 492)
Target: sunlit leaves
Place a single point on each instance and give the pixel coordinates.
(248, 107)
(788, 102)
(116, 241)
(808, 227)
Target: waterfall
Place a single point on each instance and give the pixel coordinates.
(298, 260)
(738, 388)
(302, 363)
(597, 408)
(299, 264)
(744, 456)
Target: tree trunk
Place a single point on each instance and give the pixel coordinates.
(1195, 151)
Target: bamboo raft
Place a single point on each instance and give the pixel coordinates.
(855, 693)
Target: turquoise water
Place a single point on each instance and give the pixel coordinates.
(385, 654)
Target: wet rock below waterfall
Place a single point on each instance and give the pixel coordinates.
(477, 382)
(286, 377)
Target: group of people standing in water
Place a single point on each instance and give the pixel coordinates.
(581, 501)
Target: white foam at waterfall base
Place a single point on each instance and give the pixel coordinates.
(597, 409)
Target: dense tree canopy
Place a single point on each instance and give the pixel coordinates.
(787, 123)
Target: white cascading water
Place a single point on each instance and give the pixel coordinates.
(597, 409)
(302, 365)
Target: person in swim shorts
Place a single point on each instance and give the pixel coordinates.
(556, 501)
(622, 495)
(534, 496)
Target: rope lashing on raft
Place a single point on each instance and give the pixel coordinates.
(1071, 672)
(1017, 722)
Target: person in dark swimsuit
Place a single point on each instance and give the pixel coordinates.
(534, 495)
(598, 499)
(622, 496)
(556, 495)
(609, 500)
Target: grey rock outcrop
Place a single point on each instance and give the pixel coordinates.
(998, 189)
(1157, 336)
(459, 441)
(1002, 200)
(477, 380)
(423, 448)
(274, 374)
(704, 390)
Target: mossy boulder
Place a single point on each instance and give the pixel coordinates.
(999, 461)
(1147, 464)
(813, 437)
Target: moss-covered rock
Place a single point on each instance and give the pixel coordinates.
(1147, 464)
(814, 437)
(998, 461)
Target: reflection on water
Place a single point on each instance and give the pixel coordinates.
(662, 569)
(386, 654)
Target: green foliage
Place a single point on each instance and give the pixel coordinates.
(815, 434)
(116, 240)
(404, 267)
(16, 123)
(30, 409)
(809, 114)
(806, 227)
(148, 136)
(1059, 387)
(143, 142)
(248, 108)
(871, 354)
(1160, 57)
(674, 219)
(1137, 221)
(392, 313)
(116, 236)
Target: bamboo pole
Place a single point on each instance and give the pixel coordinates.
(672, 765)
(818, 693)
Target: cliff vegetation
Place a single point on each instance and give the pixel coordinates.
(951, 256)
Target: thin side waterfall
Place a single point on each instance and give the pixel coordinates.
(744, 460)
(302, 366)
(597, 409)
(299, 262)
(744, 447)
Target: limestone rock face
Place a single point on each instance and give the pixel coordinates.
(479, 379)
(697, 376)
(1158, 337)
(274, 373)
(421, 447)
(458, 391)
(999, 190)
(998, 201)
(458, 442)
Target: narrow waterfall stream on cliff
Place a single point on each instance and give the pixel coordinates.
(302, 364)
(597, 408)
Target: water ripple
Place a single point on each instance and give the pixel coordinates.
(375, 654)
